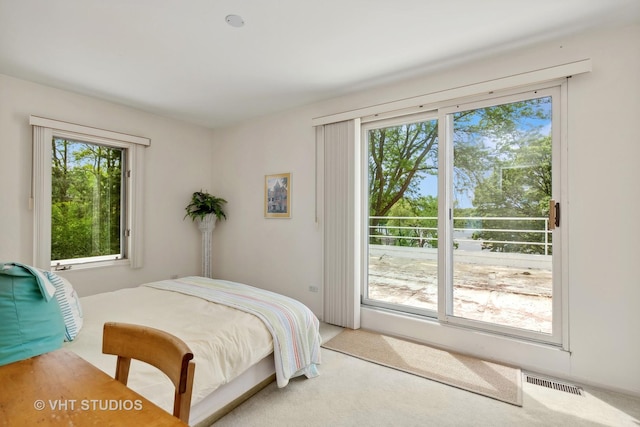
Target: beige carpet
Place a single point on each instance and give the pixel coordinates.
(478, 376)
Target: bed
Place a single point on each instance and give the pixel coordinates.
(227, 328)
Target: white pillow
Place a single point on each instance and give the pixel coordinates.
(69, 305)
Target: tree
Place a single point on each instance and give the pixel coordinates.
(517, 187)
(401, 156)
(86, 193)
(412, 222)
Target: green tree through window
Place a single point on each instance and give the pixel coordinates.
(502, 168)
(86, 195)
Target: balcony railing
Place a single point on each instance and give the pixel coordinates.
(501, 272)
(468, 235)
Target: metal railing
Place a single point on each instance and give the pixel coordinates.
(425, 235)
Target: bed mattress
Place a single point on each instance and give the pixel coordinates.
(225, 341)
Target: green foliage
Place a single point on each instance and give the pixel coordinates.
(412, 222)
(519, 188)
(85, 200)
(203, 203)
(398, 158)
(502, 159)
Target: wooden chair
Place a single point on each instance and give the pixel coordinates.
(166, 352)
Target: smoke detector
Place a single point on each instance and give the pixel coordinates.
(234, 20)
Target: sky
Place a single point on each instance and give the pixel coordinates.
(429, 186)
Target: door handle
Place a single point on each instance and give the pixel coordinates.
(554, 214)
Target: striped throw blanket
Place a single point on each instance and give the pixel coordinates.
(295, 329)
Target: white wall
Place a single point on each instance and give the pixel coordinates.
(177, 163)
(601, 211)
(283, 255)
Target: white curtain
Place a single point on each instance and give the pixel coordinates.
(339, 201)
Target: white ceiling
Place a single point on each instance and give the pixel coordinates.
(179, 58)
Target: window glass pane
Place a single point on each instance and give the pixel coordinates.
(403, 216)
(86, 200)
(502, 186)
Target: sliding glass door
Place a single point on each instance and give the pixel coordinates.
(459, 227)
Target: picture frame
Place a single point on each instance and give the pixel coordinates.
(277, 195)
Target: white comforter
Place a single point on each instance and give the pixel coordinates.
(294, 328)
(206, 327)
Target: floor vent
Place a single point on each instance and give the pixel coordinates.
(553, 384)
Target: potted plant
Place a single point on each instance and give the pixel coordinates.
(205, 209)
(202, 204)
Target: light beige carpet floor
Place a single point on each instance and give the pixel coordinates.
(468, 373)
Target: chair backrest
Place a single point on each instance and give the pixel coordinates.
(158, 348)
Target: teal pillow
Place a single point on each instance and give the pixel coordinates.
(30, 319)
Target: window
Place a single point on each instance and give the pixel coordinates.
(459, 199)
(86, 194)
(87, 189)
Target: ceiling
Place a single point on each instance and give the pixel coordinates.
(181, 59)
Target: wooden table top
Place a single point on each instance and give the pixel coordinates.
(61, 388)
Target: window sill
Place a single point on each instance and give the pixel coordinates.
(75, 265)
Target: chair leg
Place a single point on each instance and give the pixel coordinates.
(182, 401)
(122, 369)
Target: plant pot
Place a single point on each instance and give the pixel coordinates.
(206, 226)
(207, 223)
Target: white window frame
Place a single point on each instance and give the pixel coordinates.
(43, 132)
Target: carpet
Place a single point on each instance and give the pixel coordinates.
(489, 379)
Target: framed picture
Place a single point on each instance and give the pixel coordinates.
(277, 196)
